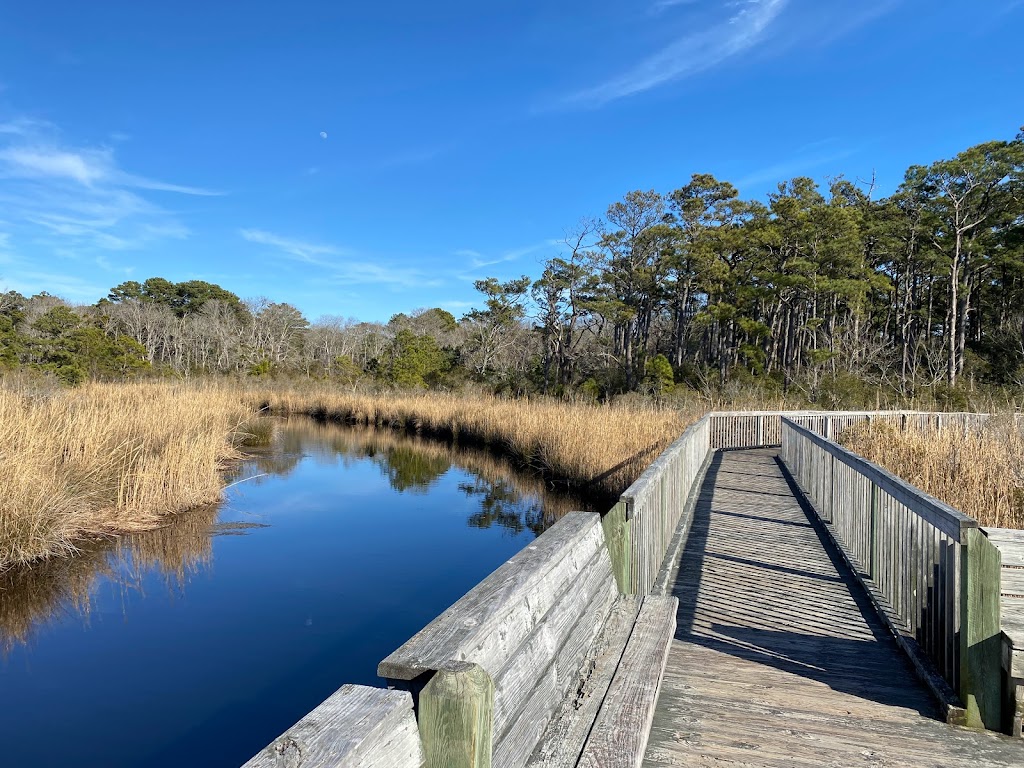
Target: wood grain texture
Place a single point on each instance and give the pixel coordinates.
(568, 628)
(616, 535)
(356, 727)
(493, 619)
(1010, 543)
(619, 736)
(563, 740)
(902, 544)
(455, 717)
(655, 502)
(1015, 706)
(779, 659)
(981, 644)
(546, 669)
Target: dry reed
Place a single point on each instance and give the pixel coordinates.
(391, 447)
(108, 458)
(978, 471)
(595, 448)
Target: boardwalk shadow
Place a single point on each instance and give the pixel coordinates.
(759, 582)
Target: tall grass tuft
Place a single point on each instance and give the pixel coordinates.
(978, 471)
(108, 458)
(595, 448)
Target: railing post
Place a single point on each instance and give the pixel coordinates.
(980, 641)
(760, 431)
(456, 714)
(873, 564)
(616, 534)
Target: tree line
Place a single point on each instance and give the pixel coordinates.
(824, 290)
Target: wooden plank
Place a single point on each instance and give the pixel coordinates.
(455, 717)
(980, 635)
(1015, 704)
(941, 515)
(356, 727)
(532, 672)
(651, 475)
(1011, 581)
(1012, 621)
(494, 618)
(778, 658)
(562, 742)
(620, 732)
(616, 534)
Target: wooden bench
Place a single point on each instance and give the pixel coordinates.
(542, 663)
(1011, 608)
(356, 727)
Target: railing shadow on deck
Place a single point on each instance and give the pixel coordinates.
(866, 663)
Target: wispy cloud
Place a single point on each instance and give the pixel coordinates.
(747, 26)
(69, 287)
(88, 167)
(79, 199)
(478, 260)
(340, 266)
(23, 126)
(805, 159)
(299, 249)
(660, 6)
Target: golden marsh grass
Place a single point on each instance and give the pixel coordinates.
(979, 472)
(108, 458)
(594, 448)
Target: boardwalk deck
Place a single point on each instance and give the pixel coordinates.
(778, 658)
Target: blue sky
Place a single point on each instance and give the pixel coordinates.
(365, 159)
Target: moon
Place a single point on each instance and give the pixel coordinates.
(323, 134)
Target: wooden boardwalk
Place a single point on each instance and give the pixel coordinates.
(778, 658)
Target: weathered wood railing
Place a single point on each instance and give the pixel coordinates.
(641, 526)
(758, 429)
(925, 564)
(355, 727)
(930, 570)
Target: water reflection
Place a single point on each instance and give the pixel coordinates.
(515, 502)
(510, 499)
(32, 597)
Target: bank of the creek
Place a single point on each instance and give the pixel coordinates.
(198, 643)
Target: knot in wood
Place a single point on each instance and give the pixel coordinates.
(287, 753)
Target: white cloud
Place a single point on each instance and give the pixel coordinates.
(33, 163)
(60, 196)
(86, 166)
(296, 248)
(66, 286)
(477, 260)
(340, 266)
(24, 126)
(663, 5)
(690, 54)
(805, 160)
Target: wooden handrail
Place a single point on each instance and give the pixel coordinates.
(931, 572)
(944, 517)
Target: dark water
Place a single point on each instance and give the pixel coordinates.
(198, 644)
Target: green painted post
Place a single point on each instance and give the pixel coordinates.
(981, 668)
(456, 717)
(616, 535)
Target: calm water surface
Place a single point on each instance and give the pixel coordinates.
(198, 644)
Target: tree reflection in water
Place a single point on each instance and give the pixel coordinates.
(32, 596)
(516, 501)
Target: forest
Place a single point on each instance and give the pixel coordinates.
(825, 292)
